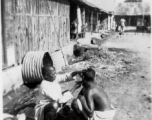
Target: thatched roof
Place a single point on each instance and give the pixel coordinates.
(132, 8)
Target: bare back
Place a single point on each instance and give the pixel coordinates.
(100, 98)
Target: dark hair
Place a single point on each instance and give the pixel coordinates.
(89, 74)
(45, 69)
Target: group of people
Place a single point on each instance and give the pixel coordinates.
(92, 103)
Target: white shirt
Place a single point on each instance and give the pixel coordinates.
(51, 91)
(122, 22)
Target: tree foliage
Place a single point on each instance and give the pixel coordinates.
(131, 8)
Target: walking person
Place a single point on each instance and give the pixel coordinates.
(123, 25)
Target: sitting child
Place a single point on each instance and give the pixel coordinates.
(92, 102)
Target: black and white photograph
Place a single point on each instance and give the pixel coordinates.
(76, 60)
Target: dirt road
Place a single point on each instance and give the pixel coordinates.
(132, 95)
(130, 91)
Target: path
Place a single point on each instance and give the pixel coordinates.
(132, 96)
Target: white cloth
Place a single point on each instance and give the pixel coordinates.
(7, 116)
(79, 19)
(98, 115)
(122, 21)
(48, 92)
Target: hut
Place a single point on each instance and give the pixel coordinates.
(132, 12)
(34, 25)
(88, 14)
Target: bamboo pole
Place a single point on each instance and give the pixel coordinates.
(91, 22)
(3, 33)
(58, 40)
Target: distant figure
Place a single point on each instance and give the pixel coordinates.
(122, 24)
(73, 29)
(92, 102)
(141, 26)
(119, 29)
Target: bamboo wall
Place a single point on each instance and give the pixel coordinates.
(37, 25)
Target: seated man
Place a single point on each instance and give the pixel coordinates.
(50, 98)
(92, 102)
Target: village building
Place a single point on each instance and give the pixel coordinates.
(92, 15)
(133, 12)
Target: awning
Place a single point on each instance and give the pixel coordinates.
(103, 5)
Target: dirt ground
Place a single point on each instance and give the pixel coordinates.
(125, 75)
(130, 92)
(132, 95)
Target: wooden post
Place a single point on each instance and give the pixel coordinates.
(91, 22)
(108, 22)
(129, 20)
(143, 21)
(77, 35)
(83, 16)
(111, 25)
(83, 21)
(97, 16)
(97, 22)
(3, 32)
